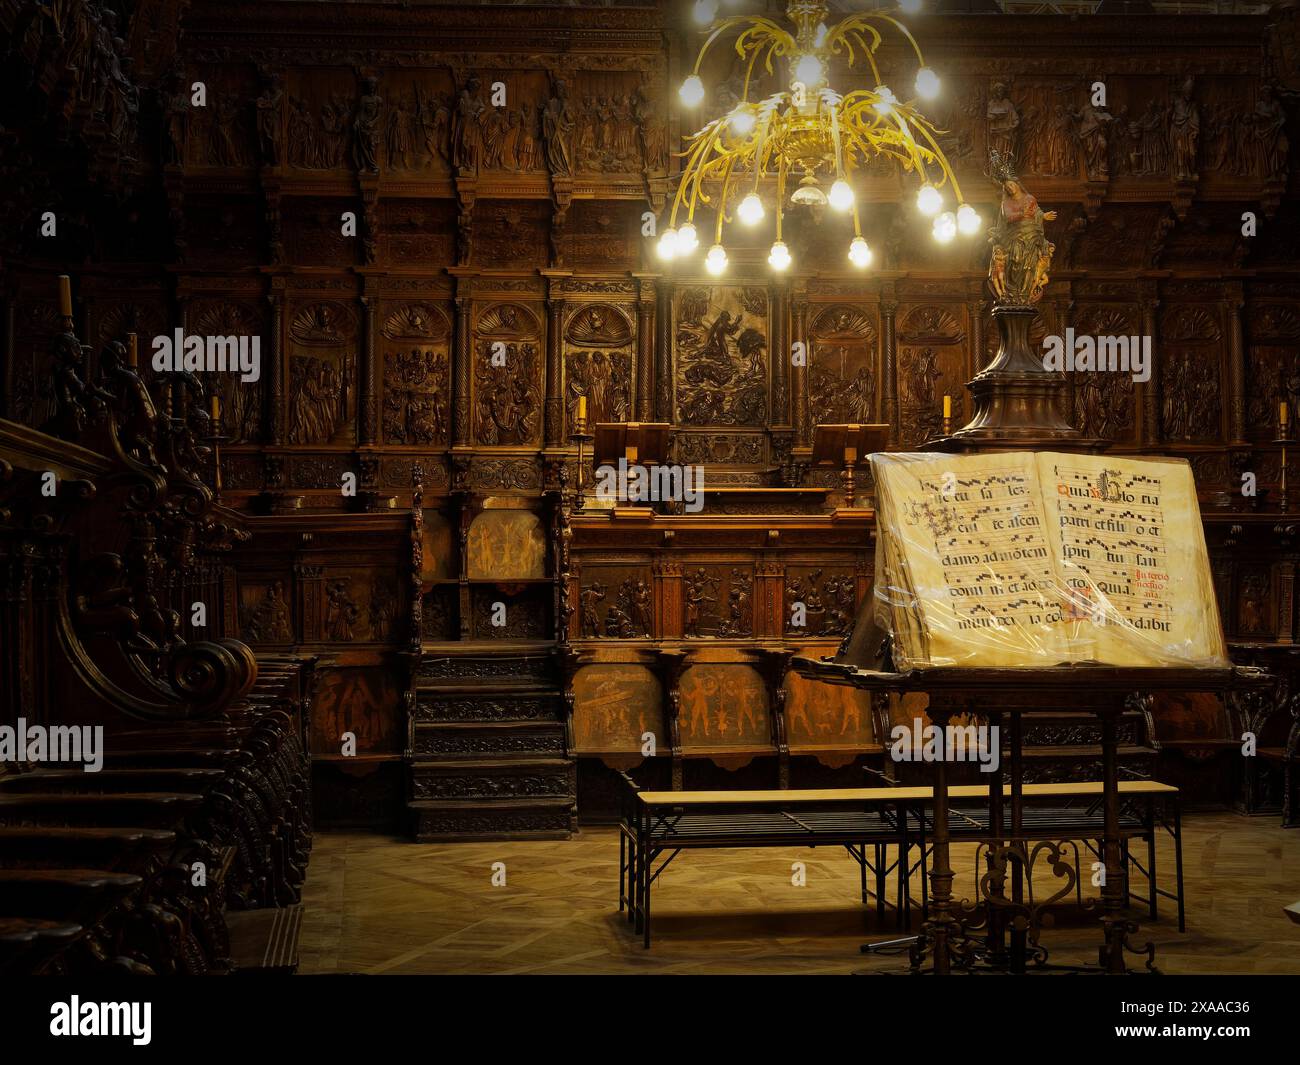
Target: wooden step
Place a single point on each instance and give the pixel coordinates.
(434, 821)
(455, 740)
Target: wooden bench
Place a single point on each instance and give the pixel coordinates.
(657, 822)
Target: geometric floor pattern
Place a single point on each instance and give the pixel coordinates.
(377, 904)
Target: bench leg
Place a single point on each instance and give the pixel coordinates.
(1178, 863)
(880, 880)
(647, 864)
(1151, 866)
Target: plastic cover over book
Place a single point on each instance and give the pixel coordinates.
(1029, 560)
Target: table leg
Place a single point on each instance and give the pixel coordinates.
(995, 860)
(939, 927)
(1114, 892)
(1018, 935)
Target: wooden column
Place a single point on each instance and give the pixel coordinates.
(663, 405)
(780, 354)
(462, 354)
(553, 409)
(799, 374)
(1151, 390)
(1237, 368)
(368, 383)
(647, 298)
(275, 368)
(889, 359)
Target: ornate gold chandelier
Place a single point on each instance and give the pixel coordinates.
(808, 133)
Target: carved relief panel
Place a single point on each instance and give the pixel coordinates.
(417, 120)
(616, 602)
(1104, 403)
(241, 401)
(609, 110)
(819, 601)
(1272, 367)
(720, 336)
(414, 353)
(603, 235)
(842, 372)
(417, 231)
(824, 717)
(598, 340)
(507, 388)
(931, 364)
(221, 133)
(322, 373)
(321, 110)
(511, 233)
(718, 601)
(265, 612)
(1191, 343)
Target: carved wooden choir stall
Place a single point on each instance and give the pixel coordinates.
(430, 233)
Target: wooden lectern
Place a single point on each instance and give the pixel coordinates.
(846, 446)
(637, 444)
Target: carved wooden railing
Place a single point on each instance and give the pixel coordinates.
(112, 544)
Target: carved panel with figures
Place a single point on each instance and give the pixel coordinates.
(598, 363)
(842, 371)
(720, 335)
(507, 376)
(322, 373)
(416, 374)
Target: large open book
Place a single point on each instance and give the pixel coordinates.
(1017, 559)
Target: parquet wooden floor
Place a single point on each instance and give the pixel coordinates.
(376, 904)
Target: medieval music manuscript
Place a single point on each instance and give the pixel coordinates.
(1024, 560)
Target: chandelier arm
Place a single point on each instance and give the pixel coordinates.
(941, 158)
(722, 202)
(754, 24)
(712, 143)
(780, 195)
(693, 154)
(862, 22)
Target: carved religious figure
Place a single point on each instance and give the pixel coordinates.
(1185, 132)
(1021, 253)
(1271, 143)
(557, 131)
(467, 129)
(268, 122)
(365, 127)
(1003, 129)
(1093, 135)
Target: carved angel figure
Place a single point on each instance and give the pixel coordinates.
(1021, 253)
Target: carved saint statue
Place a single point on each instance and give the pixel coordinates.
(1003, 121)
(268, 122)
(1021, 253)
(366, 127)
(1185, 132)
(557, 131)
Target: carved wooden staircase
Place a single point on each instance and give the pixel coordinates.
(487, 745)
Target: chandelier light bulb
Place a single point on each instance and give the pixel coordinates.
(705, 11)
(910, 7)
(750, 210)
(716, 261)
(667, 246)
(968, 219)
(808, 70)
(860, 253)
(927, 83)
(687, 239)
(779, 257)
(885, 104)
(820, 38)
(841, 195)
(743, 121)
(692, 91)
(928, 200)
(945, 227)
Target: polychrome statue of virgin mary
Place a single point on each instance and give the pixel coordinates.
(1022, 255)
